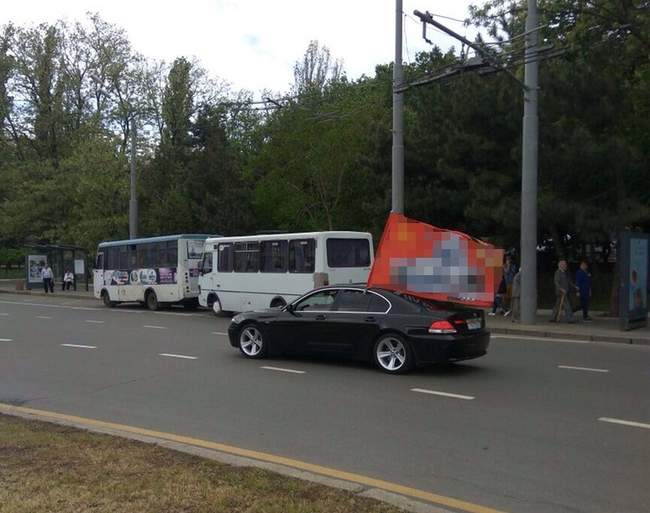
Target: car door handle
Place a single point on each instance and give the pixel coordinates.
(370, 319)
(321, 317)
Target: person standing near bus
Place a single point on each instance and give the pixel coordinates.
(68, 279)
(48, 278)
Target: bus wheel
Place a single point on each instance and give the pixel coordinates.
(278, 302)
(216, 306)
(151, 300)
(107, 299)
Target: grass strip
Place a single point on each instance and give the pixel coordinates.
(51, 468)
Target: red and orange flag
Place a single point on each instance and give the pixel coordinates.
(434, 263)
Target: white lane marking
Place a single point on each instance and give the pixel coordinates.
(94, 321)
(44, 317)
(3, 314)
(6, 340)
(443, 394)
(79, 346)
(47, 305)
(280, 369)
(219, 333)
(154, 327)
(544, 339)
(625, 422)
(589, 369)
(171, 355)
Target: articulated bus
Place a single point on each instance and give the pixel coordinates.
(153, 271)
(253, 272)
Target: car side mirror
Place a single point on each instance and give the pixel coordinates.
(290, 308)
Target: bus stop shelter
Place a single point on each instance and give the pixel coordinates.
(61, 257)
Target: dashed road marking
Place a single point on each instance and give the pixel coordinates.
(625, 422)
(79, 346)
(183, 356)
(280, 369)
(154, 327)
(443, 394)
(219, 333)
(92, 321)
(6, 340)
(44, 317)
(588, 369)
(4, 314)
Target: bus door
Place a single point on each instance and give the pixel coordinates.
(98, 273)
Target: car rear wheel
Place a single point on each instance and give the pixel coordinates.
(251, 342)
(393, 354)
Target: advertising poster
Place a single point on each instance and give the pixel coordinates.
(638, 276)
(167, 275)
(632, 262)
(34, 264)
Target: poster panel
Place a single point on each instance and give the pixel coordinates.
(633, 272)
(34, 264)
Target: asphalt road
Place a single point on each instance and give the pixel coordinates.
(521, 432)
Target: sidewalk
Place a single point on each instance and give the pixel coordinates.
(8, 286)
(601, 329)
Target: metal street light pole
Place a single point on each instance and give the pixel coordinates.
(133, 202)
(529, 173)
(398, 117)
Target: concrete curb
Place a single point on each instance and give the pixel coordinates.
(40, 294)
(613, 338)
(400, 501)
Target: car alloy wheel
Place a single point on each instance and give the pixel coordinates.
(251, 342)
(392, 354)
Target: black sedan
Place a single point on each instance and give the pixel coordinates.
(395, 331)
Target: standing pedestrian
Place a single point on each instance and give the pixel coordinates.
(583, 281)
(563, 286)
(516, 296)
(68, 279)
(48, 278)
(498, 298)
(509, 271)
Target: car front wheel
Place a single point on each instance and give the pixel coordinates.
(393, 354)
(251, 342)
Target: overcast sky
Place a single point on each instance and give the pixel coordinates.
(254, 44)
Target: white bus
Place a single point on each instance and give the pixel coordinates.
(153, 271)
(253, 272)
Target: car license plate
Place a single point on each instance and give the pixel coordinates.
(474, 324)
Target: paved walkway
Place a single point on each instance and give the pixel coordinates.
(600, 329)
(9, 286)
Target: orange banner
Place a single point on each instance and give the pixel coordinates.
(434, 263)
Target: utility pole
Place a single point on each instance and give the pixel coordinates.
(133, 202)
(398, 117)
(529, 172)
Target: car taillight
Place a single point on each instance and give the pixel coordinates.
(441, 327)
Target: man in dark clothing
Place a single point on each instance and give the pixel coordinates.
(583, 281)
(563, 286)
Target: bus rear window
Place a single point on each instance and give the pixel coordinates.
(348, 253)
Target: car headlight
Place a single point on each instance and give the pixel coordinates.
(238, 318)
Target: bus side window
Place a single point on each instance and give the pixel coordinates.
(172, 253)
(133, 257)
(99, 263)
(247, 257)
(302, 254)
(274, 255)
(206, 264)
(224, 264)
(123, 262)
